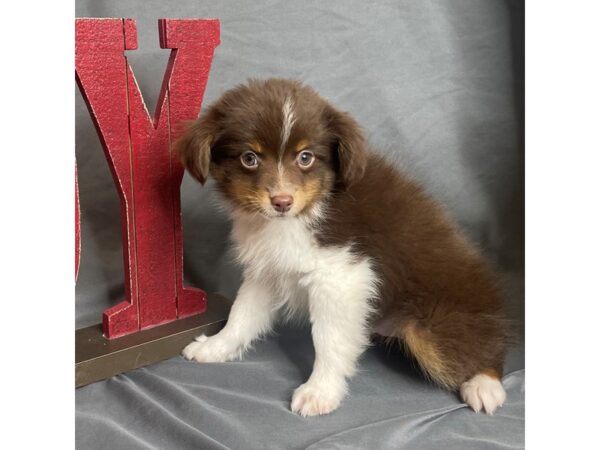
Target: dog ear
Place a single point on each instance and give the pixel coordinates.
(194, 147)
(349, 143)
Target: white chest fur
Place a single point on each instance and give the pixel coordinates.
(285, 254)
(286, 268)
(279, 247)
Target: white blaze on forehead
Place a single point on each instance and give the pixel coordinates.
(288, 122)
(280, 170)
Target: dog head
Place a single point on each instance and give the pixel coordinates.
(274, 147)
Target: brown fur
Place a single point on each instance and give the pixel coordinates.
(445, 298)
(436, 289)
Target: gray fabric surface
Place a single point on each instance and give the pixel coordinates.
(438, 87)
(245, 405)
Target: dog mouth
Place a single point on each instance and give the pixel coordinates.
(279, 215)
(273, 214)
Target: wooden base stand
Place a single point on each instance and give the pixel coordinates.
(97, 358)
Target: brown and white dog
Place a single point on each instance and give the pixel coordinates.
(322, 226)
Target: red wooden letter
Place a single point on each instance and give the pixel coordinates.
(138, 149)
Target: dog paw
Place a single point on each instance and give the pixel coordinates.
(310, 400)
(210, 349)
(483, 391)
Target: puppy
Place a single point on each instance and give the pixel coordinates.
(322, 226)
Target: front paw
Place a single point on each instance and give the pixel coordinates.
(311, 399)
(210, 349)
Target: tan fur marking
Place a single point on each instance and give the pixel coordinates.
(306, 195)
(255, 145)
(249, 199)
(425, 352)
(303, 144)
(492, 373)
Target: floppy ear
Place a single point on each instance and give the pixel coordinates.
(349, 143)
(193, 147)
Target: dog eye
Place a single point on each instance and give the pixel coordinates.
(249, 160)
(305, 159)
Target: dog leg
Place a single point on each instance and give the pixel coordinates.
(250, 317)
(339, 308)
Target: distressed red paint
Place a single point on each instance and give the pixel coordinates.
(138, 150)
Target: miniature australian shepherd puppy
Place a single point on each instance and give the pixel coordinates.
(325, 227)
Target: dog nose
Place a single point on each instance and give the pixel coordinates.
(282, 202)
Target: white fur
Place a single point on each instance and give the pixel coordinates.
(289, 117)
(483, 391)
(286, 269)
(249, 318)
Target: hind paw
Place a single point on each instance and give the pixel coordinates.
(483, 391)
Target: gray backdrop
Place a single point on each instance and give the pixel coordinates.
(438, 85)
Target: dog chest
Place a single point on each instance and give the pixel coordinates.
(275, 247)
